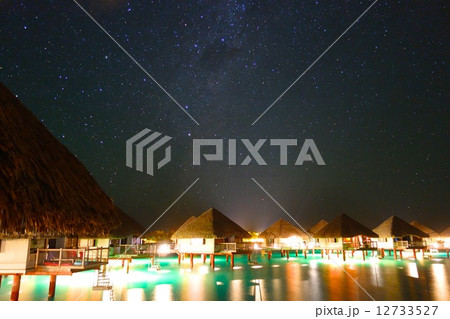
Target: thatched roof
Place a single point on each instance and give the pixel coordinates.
(44, 190)
(129, 227)
(210, 224)
(397, 227)
(344, 226)
(446, 233)
(425, 229)
(314, 229)
(182, 227)
(283, 229)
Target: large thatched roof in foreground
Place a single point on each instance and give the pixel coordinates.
(397, 227)
(446, 233)
(320, 224)
(44, 190)
(210, 224)
(283, 229)
(425, 229)
(344, 226)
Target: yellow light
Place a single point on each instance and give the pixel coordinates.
(237, 267)
(164, 249)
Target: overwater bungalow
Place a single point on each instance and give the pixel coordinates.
(284, 236)
(433, 241)
(313, 230)
(212, 233)
(445, 237)
(47, 199)
(396, 235)
(346, 234)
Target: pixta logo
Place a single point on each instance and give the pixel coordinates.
(141, 148)
(144, 145)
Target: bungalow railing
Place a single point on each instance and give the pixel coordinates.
(401, 244)
(73, 258)
(357, 245)
(134, 249)
(417, 244)
(228, 247)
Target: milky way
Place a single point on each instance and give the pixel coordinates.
(376, 104)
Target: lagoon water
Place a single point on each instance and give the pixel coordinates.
(278, 279)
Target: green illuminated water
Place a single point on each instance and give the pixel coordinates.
(278, 279)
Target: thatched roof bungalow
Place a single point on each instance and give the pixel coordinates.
(318, 226)
(211, 232)
(395, 233)
(433, 237)
(285, 236)
(344, 233)
(47, 196)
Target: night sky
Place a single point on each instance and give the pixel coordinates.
(376, 104)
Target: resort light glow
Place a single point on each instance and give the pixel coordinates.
(237, 267)
(164, 249)
(257, 266)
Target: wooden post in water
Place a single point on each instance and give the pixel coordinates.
(269, 255)
(364, 255)
(128, 266)
(390, 252)
(248, 257)
(232, 261)
(227, 257)
(321, 253)
(192, 260)
(414, 253)
(179, 258)
(448, 256)
(0, 281)
(343, 254)
(395, 254)
(287, 254)
(306, 253)
(212, 260)
(296, 253)
(337, 253)
(401, 254)
(204, 258)
(15, 288)
(52, 286)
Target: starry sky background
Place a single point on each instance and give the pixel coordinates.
(376, 105)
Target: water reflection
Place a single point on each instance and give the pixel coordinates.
(278, 279)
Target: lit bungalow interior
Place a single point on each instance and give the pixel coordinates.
(212, 233)
(47, 199)
(284, 236)
(396, 235)
(346, 234)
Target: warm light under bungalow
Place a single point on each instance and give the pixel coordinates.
(47, 197)
(395, 233)
(344, 233)
(433, 237)
(285, 236)
(209, 233)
